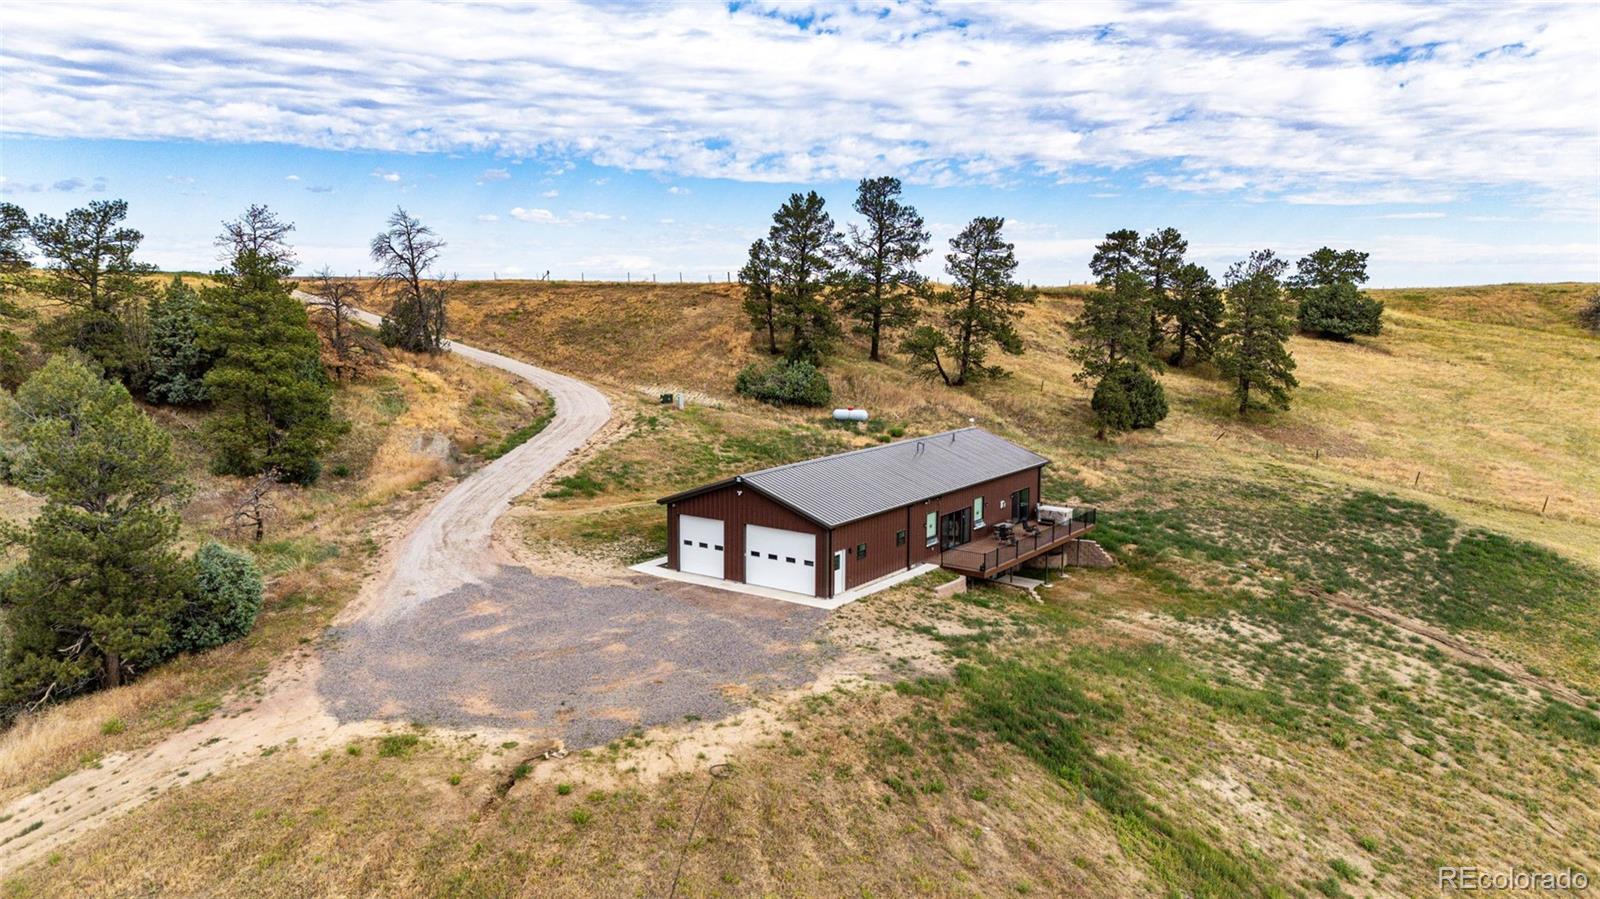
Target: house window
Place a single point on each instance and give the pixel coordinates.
(1021, 504)
(977, 512)
(861, 550)
(933, 528)
(899, 538)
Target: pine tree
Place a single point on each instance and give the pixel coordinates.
(273, 400)
(91, 270)
(14, 266)
(757, 276)
(1112, 346)
(93, 599)
(1253, 351)
(14, 258)
(881, 282)
(803, 244)
(979, 309)
(1113, 329)
(1326, 288)
(1195, 304)
(1160, 258)
(1120, 253)
(178, 364)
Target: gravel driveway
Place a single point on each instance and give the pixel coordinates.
(551, 657)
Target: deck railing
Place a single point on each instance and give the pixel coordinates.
(1022, 544)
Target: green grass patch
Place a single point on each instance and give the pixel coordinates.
(1370, 546)
(279, 556)
(492, 451)
(397, 746)
(1041, 711)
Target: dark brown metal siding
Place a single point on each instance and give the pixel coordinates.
(883, 556)
(735, 507)
(993, 492)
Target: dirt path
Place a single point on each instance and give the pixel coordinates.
(449, 548)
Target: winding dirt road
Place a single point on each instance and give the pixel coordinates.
(450, 547)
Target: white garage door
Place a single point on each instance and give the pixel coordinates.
(700, 545)
(786, 560)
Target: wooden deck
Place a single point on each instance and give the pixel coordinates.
(989, 557)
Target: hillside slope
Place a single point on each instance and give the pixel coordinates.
(1479, 399)
(1342, 647)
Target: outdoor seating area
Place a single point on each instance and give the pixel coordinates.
(1011, 544)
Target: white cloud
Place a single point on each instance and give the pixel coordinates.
(677, 191)
(494, 175)
(546, 217)
(542, 216)
(551, 194)
(386, 175)
(1314, 103)
(1403, 216)
(291, 177)
(488, 217)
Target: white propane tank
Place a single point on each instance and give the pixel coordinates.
(849, 415)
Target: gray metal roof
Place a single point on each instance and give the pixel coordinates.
(839, 489)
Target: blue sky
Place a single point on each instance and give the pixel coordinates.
(1457, 144)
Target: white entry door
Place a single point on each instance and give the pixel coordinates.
(785, 560)
(838, 571)
(700, 545)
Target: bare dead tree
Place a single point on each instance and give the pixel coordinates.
(406, 254)
(336, 299)
(255, 506)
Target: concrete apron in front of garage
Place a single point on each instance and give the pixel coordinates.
(658, 568)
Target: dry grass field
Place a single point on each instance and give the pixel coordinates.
(1342, 647)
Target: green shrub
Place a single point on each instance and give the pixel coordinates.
(223, 602)
(1589, 315)
(1340, 311)
(784, 383)
(1128, 399)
